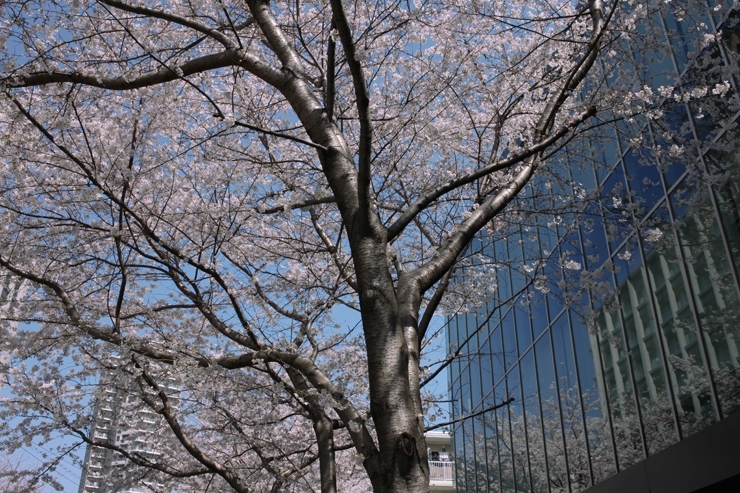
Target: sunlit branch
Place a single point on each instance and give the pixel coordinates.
(431, 307)
(362, 101)
(205, 63)
(170, 416)
(423, 202)
(331, 76)
(167, 16)
(136, 458)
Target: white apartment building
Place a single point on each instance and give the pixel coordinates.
(121, 420)
(441, 464)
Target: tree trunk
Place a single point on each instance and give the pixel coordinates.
(389, 317)
(327, 465)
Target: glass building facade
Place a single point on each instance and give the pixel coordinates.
(650, 354)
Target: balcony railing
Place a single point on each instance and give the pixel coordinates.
(440, 470)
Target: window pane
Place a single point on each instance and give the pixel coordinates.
(644, 179)
(714, 294)
(505, 458)
(570, 406)
(598, 426)
(551, 417)
(508, 331)
(518, 435)
(615, 200)
(643, 348)
(619, 391)
(492, 446)
(535, 436)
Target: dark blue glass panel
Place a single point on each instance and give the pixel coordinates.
(545, 371)
(459, 443)
(627, 131)
(594, 237)
(523, 328)
(485, 367)
(654, 65)
(564, 360)
(471, 327)
(679, 41)
(614, 201)
(582, 172)
(518, 279)
(452, 337)
(672, 129)
(606, 152)
(497, 355)
(476, 391)
(626, 260)
(644, 178)
(535, 435)
(537, 309)
(508, 331)
(503, 288)
(466, 404)
(548, 238)
(573, 264)
(554, 276)
(549, 399)
(506, 462)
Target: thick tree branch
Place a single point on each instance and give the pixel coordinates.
(331, 76)
(324, 431)
(170, 416)
(167, 16)
(332, 248)
(124, 82)
(260, 9)
(431, 307)
(76, 319)
(364, 443)
(411, 212)
(362, 101)
(430, 273)
(136, 458)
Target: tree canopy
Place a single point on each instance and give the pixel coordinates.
(190, 190)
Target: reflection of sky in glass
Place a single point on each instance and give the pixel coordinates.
(655, 361)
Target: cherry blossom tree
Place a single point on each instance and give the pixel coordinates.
(194, 191)
(10, 483)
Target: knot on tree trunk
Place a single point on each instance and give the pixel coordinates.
(408, 444)
(406, 454)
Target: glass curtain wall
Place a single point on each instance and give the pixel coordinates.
(655, 355)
